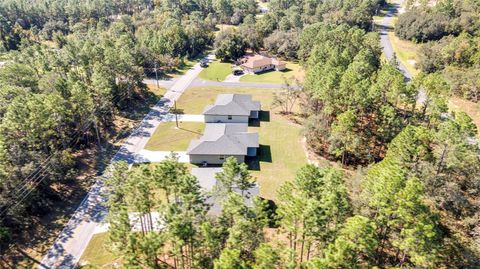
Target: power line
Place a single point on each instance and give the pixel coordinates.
(21, 190)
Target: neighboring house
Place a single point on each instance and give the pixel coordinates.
(232, 108)
(258, 63)
(220, 141)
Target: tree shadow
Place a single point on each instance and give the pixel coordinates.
(28, 257)
(177, 110)
(387, 28)
(285, 70)
(271, 211)
(187, 130)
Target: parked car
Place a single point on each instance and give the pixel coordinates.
(237, 72)
(203, 63)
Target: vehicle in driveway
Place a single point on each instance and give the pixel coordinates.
(203, 63)
(237, 72)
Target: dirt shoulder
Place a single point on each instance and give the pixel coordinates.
(34, 242)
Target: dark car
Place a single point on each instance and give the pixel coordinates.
(237, 72)
(203, 64)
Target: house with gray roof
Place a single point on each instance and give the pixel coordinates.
(222, 140)
(232, 108)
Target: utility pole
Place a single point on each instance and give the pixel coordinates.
(156, 75)
(175, 111)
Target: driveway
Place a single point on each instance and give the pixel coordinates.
(149, 156)
(207, 83)
(206, 179)
(135, 223)
(232, 78)
(186, 117)
(72, 241)
(165, 83)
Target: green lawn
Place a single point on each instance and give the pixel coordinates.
(281, 152)
(184, 67)
(471, 108)
(293, 71)
(97, 254)
(168, 138)
(216, 71)
(406, 52)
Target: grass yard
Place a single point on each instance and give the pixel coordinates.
(97, 254)
(168, 138)
(262, 4)
(157, 92)
(223, 27)
(281, 152)
(293, 71)
(184, 67)
(216, 71)
(406, 52)
(471, 108)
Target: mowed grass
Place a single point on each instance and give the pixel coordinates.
(97, 253)
(471, 108)
(216, 71)
(406, 52)
(281, 152)
(292, 72)
(169, 138)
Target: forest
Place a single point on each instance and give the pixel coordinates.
(448, 32)
(405, 190)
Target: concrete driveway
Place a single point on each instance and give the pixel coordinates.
(206, 179)
(208, 83)
(232, 78)
(148, 156)
(134, 218)
(186, 117)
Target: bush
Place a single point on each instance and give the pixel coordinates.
(422, 25)
(229, 45)
(285, 44)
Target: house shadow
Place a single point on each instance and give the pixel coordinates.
(264, 154)
(262, 116)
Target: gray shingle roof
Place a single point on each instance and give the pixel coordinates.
(232, 104)
(224, 139)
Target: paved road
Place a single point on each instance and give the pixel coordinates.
(385, 27)
(162, 83)
(72, 241)
(207, 83)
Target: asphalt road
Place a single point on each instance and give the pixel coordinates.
(207, 83)
(385, 27)
(72, 241)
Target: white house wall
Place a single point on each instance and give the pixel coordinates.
(214, 159)
(224, 119)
